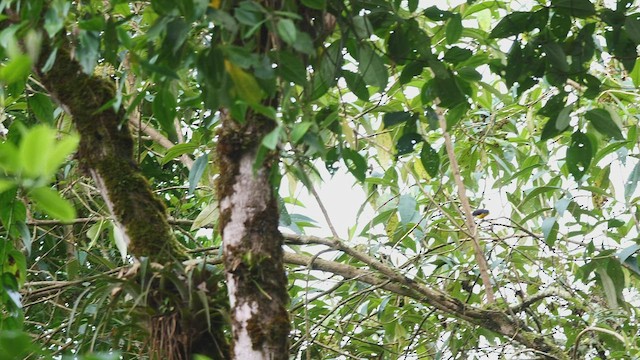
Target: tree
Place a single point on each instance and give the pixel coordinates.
(187, 116)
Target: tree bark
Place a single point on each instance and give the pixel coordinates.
(106, 153)
(252, 244)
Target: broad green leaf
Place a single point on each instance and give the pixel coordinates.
(16, 69)
(407, 209)
(602, 121)
(579, 155)
(407, 143)
(433, 13)
(88, 50)
(577, 8)
(60, 152)
(563, 119)
(52, 203)
(356, 163)
(164, 109)
(42, 107)
(196, 172)
(635, 74)
(430, 160)
(371, 67)
(35, 148)
(550, 230)
(628, 251)
(362, 27)
(290, 67)
(395, 118)
(456, 55)
(556, 56)
(271, 140)
(632, 27)
(246, 86)
(10, 158)
(356, 84)
(315, 4)
(299, 130)
(453, 29)
(632, 182)
(287, 31)
(6, 184)
(178, 150)
(513, 24)
(207, 216)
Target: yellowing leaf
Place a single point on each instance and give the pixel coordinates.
(246, 86)
(215, 4)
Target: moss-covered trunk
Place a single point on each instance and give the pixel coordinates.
(106, 153)
(252, 244)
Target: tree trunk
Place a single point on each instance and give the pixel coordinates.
(252, 244)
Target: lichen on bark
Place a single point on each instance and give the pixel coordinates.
(252, 244)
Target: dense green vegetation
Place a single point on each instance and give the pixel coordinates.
(143, 146)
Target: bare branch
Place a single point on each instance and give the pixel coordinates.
(483, 266)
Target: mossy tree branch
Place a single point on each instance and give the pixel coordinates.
(106, 153)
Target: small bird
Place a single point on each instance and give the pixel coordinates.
(480, 213)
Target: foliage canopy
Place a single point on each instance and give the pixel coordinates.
(529, 112)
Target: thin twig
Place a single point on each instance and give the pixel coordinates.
(483, 266)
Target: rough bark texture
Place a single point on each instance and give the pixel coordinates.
(106, 153)
(252, 244)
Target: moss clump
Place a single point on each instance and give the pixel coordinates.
(106, 147)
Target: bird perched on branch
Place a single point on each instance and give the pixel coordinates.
(480, 213)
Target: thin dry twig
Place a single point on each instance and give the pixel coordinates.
(483, 266)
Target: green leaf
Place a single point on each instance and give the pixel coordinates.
(245, 84)
(407, 209)
(164, 109)
(16, 69)
(52, 203)
(435, 14)
(556, 56)
(35, 147)
(287, 31)
(270, 141)
(550, 230)
(88, 50)
(395, 118)
(563, 119)
(513, 24)
(577, 8)
(6, 185)
(60, 152)
(430, 159)
(356, 84)
(453, 30)
(290, 67)
(356, 163)
(207, 216)
(195, 174)
(632, 27)
(407, 143)
(315, 4)
(579, 155)
(371, 67)
(178, 150)
(635, 74)
(602, 121)
(632, 182)
(299, 130)
(456, 55)
(42, 107)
